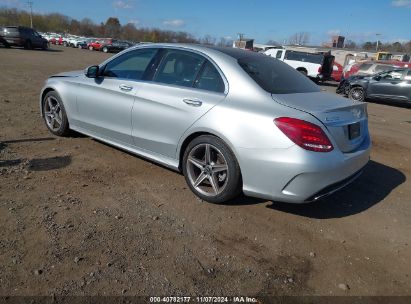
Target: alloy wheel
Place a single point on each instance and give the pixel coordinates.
(53, 113)
(207, 169)
(357, 94)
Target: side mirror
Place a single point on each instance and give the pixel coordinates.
(378, 78)
(92, 72)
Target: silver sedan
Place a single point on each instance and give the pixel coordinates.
(230, 120)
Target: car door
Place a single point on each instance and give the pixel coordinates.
(185, 86)
(386, 85)
(104, 104)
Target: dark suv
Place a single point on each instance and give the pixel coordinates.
(22, 36)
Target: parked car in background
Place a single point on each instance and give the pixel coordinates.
(337, 72)
(388, 85)
(97, 44)
(115, 46)
(372, 67)
(22, 36)
(85, 43)
(230, 120)
(318, 66)
(79, 40)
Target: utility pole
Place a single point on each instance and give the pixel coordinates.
(30, 3)
(377, 40)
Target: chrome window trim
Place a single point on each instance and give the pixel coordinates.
(224, 78)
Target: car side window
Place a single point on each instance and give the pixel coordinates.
(179, 68)
(209, 79)
(279, 54)
(393, 75)
(408, 76)
(130, 65)
(381, 68)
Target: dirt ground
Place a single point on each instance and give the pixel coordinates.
(79, 217)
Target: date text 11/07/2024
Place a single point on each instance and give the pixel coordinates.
(172, 299)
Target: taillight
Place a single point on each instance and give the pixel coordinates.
(305, 134)
(319, 70)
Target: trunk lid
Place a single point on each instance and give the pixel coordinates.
(345, 120)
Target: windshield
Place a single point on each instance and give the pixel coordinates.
(275, 76)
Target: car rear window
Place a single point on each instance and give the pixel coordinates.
(11, 30)
(275, 76)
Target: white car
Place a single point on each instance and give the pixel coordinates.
(318, 66)
(76, 40)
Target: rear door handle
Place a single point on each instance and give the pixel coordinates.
(124, 87)
(193, 102)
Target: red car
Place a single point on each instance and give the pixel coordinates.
(372, 67)
(97, 44)
(337, 72)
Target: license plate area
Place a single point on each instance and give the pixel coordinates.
(354, 130)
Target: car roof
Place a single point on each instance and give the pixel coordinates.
(208, 49)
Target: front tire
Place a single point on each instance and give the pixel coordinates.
(105, 49)
(357, 94)
(55, 115)
(211, 170)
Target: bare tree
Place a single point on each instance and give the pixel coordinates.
(225, 42)
(208, 40)
(272, 42)
(300, 38)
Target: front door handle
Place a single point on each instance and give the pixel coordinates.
(193, 102)
(124, 87)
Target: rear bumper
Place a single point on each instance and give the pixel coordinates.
(295, 175)
(334, 187)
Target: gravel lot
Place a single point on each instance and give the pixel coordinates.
(79, 217)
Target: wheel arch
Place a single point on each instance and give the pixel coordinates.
(44, 93)
(185, 142)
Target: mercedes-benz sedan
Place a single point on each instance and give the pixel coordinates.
(230, 120)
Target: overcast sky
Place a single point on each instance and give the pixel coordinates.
(264, 20)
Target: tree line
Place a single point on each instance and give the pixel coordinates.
(59, 23)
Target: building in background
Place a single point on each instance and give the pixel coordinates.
(336, 42)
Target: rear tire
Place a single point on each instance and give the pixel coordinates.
(213, 176)
(357, 94)
(90, 48)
